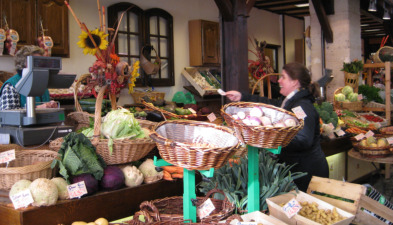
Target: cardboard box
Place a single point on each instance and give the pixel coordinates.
(276, 210)
(190, 73)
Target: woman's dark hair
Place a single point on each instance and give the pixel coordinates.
(297, 71)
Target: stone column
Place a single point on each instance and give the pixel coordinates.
(346, 46)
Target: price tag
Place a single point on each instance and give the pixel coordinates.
(331, 126)
(221, 92)
(291, 208)
(77, 190)
(22, 199)
(192, 110)
(359, 136)
(7, 156)
(369, 134)
(300, 114)
(360, 97)
(211, 117)
(390, 140)
(205, 208)
(340, 133)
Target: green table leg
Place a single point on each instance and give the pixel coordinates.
(189, 210)
(253, 179)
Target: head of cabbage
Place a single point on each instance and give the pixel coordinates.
(339, 97)
(347, 90)
(353, 97)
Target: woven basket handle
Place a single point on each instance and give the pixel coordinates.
(149, 208)
(269, 88)
(148, 218)
(210, 194)
(97, 115)
(233, 217)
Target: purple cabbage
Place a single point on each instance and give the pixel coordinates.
(113, 178)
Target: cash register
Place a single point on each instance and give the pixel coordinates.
(36, 126)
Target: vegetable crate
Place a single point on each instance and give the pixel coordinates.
(276, 210)
(353, 106)
(352, 79)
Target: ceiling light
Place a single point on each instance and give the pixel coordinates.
(372, 7)
(302, 5)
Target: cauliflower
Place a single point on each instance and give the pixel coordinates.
(19, 186)
(61, 184)
(133, 176)
(44, 192)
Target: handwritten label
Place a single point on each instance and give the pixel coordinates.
(22, 199)
(211, 117)
(221, 92)
(205, 208)
(291, 208)
(340, 133)
(360, 97)
(369, 134)
(390, 140)
(300, 114)
(77, 190)
(7, 156)
(192, 110)
(359, 136)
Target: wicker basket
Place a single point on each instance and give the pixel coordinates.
(4, 76)
(260, 136)
(170, 210)
(170, 115)
(194, 145)
(29, 165)
(353, 106)
(373, 152)
(352, 79)
(153, 95)
(385, 50)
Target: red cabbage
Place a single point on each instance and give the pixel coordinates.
(113, 178)
(90, 182)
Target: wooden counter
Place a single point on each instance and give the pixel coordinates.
(111, 205)
(336, 145)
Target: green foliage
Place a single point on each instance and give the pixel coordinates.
(275, 179)
(325, 116)
(370, 93)
(355, 66)
(77, 155)
(328, 107)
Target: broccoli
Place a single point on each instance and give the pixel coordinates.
(333, 115)
(325, 116)
(333, 121)
(327, 107)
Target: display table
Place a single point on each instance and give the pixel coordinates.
(386, 160)
(111, 205)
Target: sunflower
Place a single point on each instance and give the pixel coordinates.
(99, 38)
(133, 77)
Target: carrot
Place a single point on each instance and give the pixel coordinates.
(173, 169)
(177, 175)
(167, 176)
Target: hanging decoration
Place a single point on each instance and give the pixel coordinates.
(45, 42)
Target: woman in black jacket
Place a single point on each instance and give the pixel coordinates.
(304, 150)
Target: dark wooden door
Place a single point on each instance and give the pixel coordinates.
(210, 42)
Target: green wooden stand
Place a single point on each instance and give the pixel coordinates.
(253, 203)
(189, 209)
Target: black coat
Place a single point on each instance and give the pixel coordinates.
(305, 148)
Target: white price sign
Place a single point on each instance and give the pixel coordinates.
(369, 134)
(359, 136)
(291, 208)
(22, 199)
(192, 110)
(211, 117)
(390, 140)
(7, 156)
(340, 133)
(300, 114)
(205, 208)
(77, 190)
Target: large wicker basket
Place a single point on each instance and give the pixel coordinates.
(353, 106)
(373, 152)
(170, 115)
(352, 79)
(260, 136)
(29, 165)
(194, 145)
(170, 210)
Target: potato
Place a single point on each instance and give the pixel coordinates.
(79, 223)
(101, 221)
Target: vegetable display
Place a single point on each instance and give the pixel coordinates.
(113, 178)
(346, 95)
(326, 113)
(44, 192)
(77, 156)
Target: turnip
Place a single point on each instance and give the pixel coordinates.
(254, 121)
(265, 120)
(235, 117)
(241, 115)
(256, 112)
(290, 122)
(279, 124)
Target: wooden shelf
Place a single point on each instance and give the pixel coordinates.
(111, 205)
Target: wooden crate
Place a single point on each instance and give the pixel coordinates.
(337, 188)
(276, 210)
(365, 218)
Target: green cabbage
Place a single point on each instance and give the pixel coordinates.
(353, 97)
(339, 97)
(347, 90)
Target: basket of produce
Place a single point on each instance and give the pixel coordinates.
(154, 95)
(194, 145)
(170, 210)
(360, 123)
(373, 147)
(29, 165)
(345, 98)
(262, 125)
(384, 54)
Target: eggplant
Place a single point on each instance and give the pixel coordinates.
(154, 116)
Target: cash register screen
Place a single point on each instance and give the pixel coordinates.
(46, 63)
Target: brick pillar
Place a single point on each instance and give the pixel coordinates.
(346, 46)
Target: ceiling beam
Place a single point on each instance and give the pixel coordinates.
(278, 4)
(249, 5)
(323, 20)
(226, 9)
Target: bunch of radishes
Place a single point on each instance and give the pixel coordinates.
(258, 116)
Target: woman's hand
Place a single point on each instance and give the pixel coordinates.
(234, 96)
(51, 104)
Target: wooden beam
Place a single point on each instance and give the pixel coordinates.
(249, 5)
(226, 9)
(323, 20)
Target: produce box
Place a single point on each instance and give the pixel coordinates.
(198, 82)
(276, 210)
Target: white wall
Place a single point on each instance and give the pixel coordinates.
(262, 25)
(294, 29)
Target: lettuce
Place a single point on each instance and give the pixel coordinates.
(77, 156)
